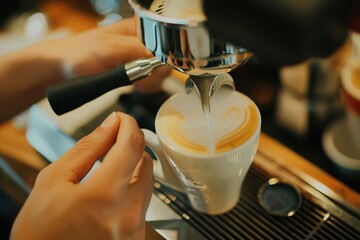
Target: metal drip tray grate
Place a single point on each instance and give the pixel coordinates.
(248, 220)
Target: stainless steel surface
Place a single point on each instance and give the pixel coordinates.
(141, 68)
(167, 222)
(205, 87)
(184, 43)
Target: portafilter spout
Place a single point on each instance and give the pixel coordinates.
(205, 86)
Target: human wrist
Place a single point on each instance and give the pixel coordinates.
(37, 65)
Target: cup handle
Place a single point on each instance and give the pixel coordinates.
(163, 171)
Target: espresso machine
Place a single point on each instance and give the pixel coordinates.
(175, 33)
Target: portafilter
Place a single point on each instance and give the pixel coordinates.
(174, 31)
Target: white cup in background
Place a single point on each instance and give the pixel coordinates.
(341, 141)
(351, 94)
(211, 176)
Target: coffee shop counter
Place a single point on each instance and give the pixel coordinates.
(26, 162)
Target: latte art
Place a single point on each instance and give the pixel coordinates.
(233, 119)
(243, 132)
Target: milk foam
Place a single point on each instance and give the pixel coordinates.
(233, 119)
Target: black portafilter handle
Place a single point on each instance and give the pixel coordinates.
(74, 93)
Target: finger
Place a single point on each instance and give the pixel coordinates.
(78, 161)
(120, 49)
(120, 162)
(126, 26)
(143, 169)
(139, 194)
(128, 48)
(142, 183)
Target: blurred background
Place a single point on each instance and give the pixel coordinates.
(298, 103)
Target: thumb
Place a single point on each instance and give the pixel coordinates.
(78, 161)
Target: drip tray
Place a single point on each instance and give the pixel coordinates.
(318, 217)
(249, 220)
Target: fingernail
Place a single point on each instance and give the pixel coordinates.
(109, 120)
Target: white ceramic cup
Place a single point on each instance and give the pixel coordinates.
(351, 94)
(212, 182)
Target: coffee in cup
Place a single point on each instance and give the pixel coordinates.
(208, 154)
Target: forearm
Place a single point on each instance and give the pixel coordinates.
(25, 75)
(24, 78)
